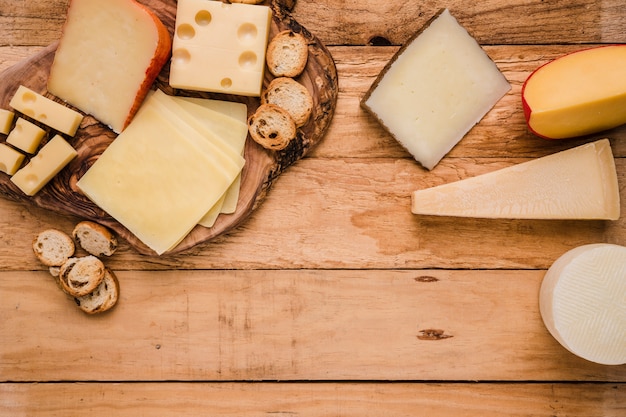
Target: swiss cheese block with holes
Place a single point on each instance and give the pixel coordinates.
(220, 47)
(583, 302)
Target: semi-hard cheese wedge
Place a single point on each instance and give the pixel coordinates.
(49, 161)
(577, 94)
(220, 47)
(109, 55)
(583, 302)
(159, 178)
(578, 183)
(46, 111)
(435, 89)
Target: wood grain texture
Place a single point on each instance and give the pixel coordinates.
(290, 325)
(314, 400)
(331, 299)
(262, 166)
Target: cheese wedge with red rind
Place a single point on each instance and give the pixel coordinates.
(582, 302)
(108, 57)
(577, 94)
(578, 183)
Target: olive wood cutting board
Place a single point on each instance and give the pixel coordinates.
(262, 166)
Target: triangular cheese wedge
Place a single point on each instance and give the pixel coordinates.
(578, 183)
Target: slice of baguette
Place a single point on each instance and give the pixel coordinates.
(103, 298)
(81, 275)
(53, 247)
(287, 54)
(95, 238)
(292, 96)
(272, 127)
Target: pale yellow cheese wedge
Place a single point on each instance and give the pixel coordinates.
(578, 183)
(435, 89)
(109, 55)
(10, 159)
(26, 135)
(6, 121)
(583, 302)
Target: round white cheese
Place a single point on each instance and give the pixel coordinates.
(583, 302)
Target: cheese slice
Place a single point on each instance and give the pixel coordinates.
(583, 302)
(435, 89)
(46, 111)
(49, 161)
(578, 183)
(159, 177)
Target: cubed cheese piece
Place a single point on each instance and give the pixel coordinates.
(583, 302)
(160, 176)
(26, 135)
(41, 168)
(46, 111)
(220, 47)
(578, 183)
(6, 121)
(435, 89)
(577, 94)
(109, 55)
(10, 159)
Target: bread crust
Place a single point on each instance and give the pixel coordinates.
(272, 127)
(287, 54)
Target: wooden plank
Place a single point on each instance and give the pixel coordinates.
(318, 202)
(313, 400)
(289, 325)
(357, 23)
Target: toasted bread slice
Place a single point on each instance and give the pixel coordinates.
(292, 96)
(287, 54)
(81, 275)
(272, 127)
(53, 247)
(95, 238)
(103, 298)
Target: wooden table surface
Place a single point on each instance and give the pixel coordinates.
(332, 299)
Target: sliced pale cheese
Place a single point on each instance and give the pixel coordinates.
(220, 47)
(158, 178)
(10, 159)
(583, 302)
(435, 89)
(577, 94)
(41, 168)
(109, 54)
(235, 110)
(6, 121)
(26, 135)
(46, 111)
(578, 183)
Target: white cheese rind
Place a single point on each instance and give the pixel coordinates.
(550, 187)
(435, 89)
(583, 302)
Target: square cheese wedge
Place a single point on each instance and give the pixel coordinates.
(220, 47)
(435, 89)
(26, 135)
(10, 159)
(6, 121)
(159, 177)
